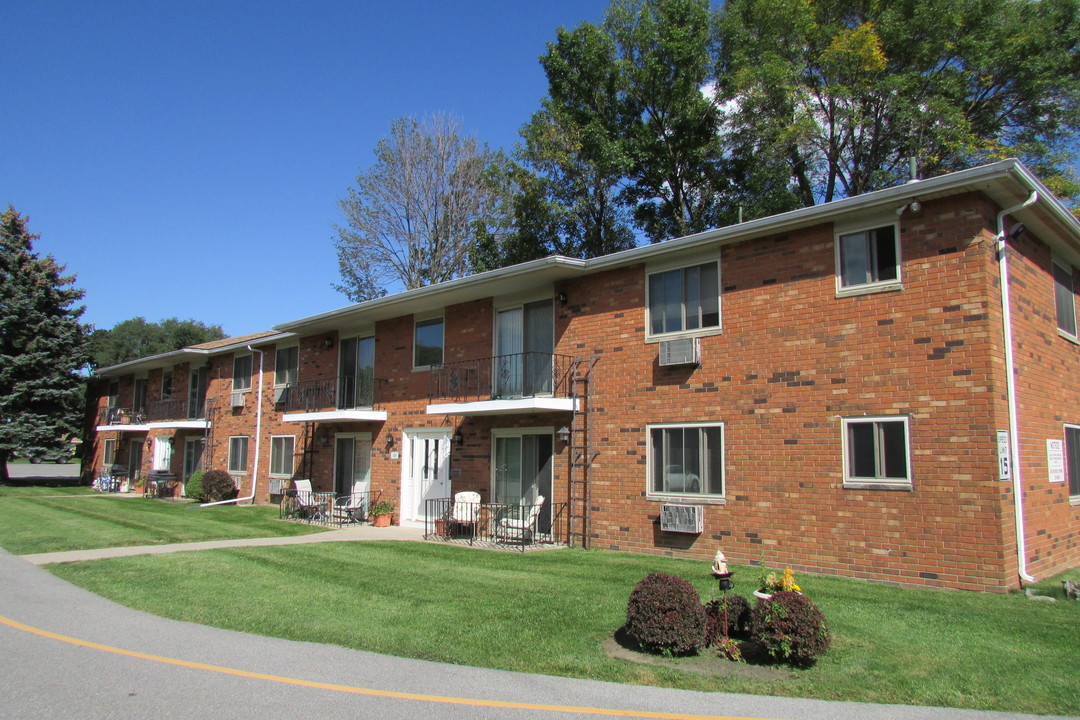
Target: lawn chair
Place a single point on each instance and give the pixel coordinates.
(352, 507)
(464, 514)
(306, 507)
(523, 527)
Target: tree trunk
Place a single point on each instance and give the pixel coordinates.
(4, 456)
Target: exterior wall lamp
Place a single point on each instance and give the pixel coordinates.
(563, 434)
(328, 342)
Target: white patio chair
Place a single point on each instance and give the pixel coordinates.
(464, 514)
(352, 507)
(305, 499)
(522, 527)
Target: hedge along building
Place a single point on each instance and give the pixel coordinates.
(848, 387)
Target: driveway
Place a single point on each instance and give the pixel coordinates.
(66, 653)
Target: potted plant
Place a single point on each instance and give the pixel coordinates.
(771, 584)
(381, 513)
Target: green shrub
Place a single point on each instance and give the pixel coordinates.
(790, 628)
(217, 485)
(664, 614)
(738, 615)
(194, 488)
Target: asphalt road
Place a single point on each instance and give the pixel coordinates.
(24, 471)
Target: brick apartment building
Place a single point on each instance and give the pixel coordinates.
(848, 387)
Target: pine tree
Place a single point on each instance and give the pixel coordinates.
(43, 346)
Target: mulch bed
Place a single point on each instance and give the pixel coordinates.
(756, 666)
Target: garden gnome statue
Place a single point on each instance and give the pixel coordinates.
(719, 566)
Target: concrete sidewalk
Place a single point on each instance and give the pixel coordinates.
(352, 533)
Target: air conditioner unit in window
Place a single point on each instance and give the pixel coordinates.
(682, 518)
(237, 400)
(686, 351)
(281, 394)
(277, 486)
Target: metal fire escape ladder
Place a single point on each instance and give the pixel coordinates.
(307, 443)
(581, 454)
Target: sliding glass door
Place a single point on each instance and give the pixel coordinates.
(524, 342)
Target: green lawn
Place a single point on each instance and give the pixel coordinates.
(50, 517)
(550, 612)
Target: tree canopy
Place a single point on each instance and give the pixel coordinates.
(671, 117)
(43, 347)
(136, 338)
(410, 217)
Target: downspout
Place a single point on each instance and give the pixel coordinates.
(1010, 384)
(258, 440)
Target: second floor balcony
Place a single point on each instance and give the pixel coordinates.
(178, 412)
(503, 384)
(122, 419)
(353, 397)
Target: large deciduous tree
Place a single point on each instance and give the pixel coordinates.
(843, 94)
(136, 338)
(410, 217)
(43, 347)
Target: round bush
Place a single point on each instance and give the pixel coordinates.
(738, 615)
(664, 614)
(217, 485)
(790, 628)
(194, 488)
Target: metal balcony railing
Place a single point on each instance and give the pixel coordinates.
(327, 508)
(518, 375)
(496, 524)
(175, 409)
(342, 393)
(121, 416)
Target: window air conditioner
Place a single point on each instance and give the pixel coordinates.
(682, 518)
(686, 351)
(237, 400)
(276, 486)
(281, 394)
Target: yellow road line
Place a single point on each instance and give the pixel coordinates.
(362, 691)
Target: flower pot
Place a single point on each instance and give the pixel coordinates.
(381, 521)
(442, 527)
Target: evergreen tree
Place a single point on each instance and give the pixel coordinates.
(43, 346)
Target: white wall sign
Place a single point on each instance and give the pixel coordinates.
(1055, 460)
(1004, 461)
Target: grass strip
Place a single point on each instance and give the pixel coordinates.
(550, 613)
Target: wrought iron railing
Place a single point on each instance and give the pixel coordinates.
(504, 524)
(327, 508)
(518, 375)
(342, 393)
(121, 416)
(176, 409)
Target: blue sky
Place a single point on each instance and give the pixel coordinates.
(185, 159)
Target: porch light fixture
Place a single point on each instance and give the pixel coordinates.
(324, 438)
(563, 434)
(389, 440)
(562, 298)
(328, 342)
(149, 443)
(459, 438)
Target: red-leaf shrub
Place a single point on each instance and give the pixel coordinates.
(664, 614)
(218, 485)
(790, 628)
(738, 615)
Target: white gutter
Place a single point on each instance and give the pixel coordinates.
(1010, 384)
(258, 439)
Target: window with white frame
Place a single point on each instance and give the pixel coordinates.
(684, 299)
(876, 451)
(1072, 459)
(238, 454)
(241, 373)
(282, 448)
(868, 259)
(1064, 299)
(166, 384)
(686, 459)
(286, 363)
(108, 454)
(428, 343)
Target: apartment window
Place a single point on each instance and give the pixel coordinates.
(285, 365)
(281, 455)
(1064, 298)
(113, 398)
(428, 343)
(241, 373)
(108, 454)
(238, 452)
(138, 403)
(684, 299)
(869, 258)
(1072, 458)
(166, 385)
(686, 460)
(876, 452)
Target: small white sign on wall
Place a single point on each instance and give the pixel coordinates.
(1004, 462)
(1055, 460)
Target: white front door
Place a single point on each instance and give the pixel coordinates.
(425, 473)
(162, 453)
